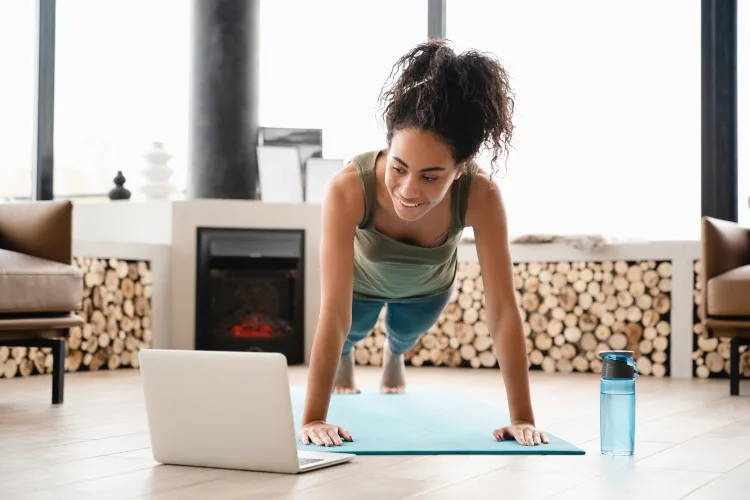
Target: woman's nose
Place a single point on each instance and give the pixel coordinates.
(409, 188)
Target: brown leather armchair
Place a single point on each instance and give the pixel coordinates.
(725, 307)
(40, 289)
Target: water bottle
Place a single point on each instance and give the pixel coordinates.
(617, 402)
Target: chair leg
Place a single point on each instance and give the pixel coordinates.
(58, 370)
(734, 367)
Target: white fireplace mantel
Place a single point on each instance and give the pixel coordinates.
(134, 226)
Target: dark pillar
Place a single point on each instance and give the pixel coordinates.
(435, 19)
(45, 112)
(719, 109)
(224, 99)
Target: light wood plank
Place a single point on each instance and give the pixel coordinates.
(642, 483)
(733, 484)
(691, 436)
(704, 453)
(508, 484)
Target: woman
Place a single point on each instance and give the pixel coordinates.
(391, 221)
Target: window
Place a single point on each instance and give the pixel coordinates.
(743, 111)
(121, 82)
(18, 31)
(608, 113)
(324, 66)
(123, 72)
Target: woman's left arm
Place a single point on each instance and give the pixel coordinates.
(486, 214)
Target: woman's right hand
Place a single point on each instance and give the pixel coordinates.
(321, 433)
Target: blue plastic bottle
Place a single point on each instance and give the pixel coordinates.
(617, 403)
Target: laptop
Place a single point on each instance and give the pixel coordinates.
(222, 409)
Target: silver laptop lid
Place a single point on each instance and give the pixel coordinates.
(219, 409)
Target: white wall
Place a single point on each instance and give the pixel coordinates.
(147, 222)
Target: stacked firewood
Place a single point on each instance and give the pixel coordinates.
(570, 312)
(711, 354)
(117, 314)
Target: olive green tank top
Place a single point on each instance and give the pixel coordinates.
(390, 269)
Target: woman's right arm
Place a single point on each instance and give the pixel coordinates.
(342, 210)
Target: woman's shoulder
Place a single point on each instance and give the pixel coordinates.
(484, 195)
(348, 188)
(345, 182)
(365, 161)
(344, 192)
(349, 177)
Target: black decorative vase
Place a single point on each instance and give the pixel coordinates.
(119, 192)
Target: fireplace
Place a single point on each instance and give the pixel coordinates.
(250, 291)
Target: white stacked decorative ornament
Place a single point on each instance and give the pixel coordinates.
(156, 183)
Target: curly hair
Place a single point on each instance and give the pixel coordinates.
(465, 99)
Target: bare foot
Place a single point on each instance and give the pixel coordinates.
(394, 376)
(343, 383)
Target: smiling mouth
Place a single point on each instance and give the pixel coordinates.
(409, 205)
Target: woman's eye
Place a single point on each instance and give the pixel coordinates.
(400, 171)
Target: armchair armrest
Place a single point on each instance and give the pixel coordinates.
(41, 229)
(725, 245)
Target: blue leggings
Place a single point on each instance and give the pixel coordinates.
(405, 320)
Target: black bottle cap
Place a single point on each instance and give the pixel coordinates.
(615, 364)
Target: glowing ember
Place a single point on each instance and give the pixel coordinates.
(255, 325)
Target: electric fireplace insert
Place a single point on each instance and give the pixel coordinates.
(250, 291)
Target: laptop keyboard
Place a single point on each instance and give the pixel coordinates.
(306, 461)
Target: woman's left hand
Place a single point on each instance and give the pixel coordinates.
(523, 432)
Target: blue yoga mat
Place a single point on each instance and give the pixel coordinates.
(424, 421)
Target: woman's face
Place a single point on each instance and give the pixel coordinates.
(419, 171)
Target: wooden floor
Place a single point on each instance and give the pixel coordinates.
(693, 441)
